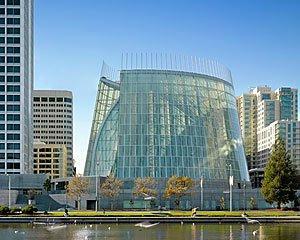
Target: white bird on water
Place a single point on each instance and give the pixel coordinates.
(252, 220)
(146, 224)
(255, 232)
(108, 228)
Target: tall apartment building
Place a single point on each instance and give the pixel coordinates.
(247, 111)
(53, 120)
(289, 131)
(16, 85)
(259, 111)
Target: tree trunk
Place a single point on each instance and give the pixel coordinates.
(78, 203)
(278, 205)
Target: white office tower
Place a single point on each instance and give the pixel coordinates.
(53, 120)
(16, 85)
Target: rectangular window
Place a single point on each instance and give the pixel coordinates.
(13, 69)
(2, 11)
(68, 100)
(2, 117)
(13, 146)
(36, 99)
(13, 98)
(13, 2)
(13, 40)
(13, 108)
(2, 2)
(2, 78)
(13, 155)
(13, 21)
(12, 30)
(13, 59)
(13, 126)
(13, 136)
(13, 117)
(2, 49)
(2, 136)
(13, 88)
(2, 126)
(2, 98)
(2, 30)
(2, 39)
(13, 78)
(13, 50)
(2, 88)
(2, 59)
(2, 21)
(13, 11)
(2, 107)
(13, 165)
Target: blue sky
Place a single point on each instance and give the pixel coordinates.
(258, 40)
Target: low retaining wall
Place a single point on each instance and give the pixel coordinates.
(95, 220)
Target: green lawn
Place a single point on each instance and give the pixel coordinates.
(266, 213)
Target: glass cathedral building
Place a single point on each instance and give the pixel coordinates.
(175, 119)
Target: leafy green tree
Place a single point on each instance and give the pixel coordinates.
(279, 182)
(47, 185)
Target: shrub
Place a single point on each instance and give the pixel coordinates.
(15, 210)
(4, 210)
(29, 209)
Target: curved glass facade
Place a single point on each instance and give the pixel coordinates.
(108, 93)
(171, 123)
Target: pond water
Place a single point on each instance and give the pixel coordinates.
(172, 231)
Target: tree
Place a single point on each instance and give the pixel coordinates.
(145, 187)
(222, 203)
(77, 187)
(252, 203)
(47, 185)
(111, 188)
(279, 182)
(178, 187)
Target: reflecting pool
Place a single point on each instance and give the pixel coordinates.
(161, 231)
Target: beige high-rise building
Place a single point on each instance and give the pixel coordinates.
(50, 159)
(53, 120)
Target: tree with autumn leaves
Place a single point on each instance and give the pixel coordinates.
(178, 187)
(145, 187)
(77, 187)
(111, 188)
